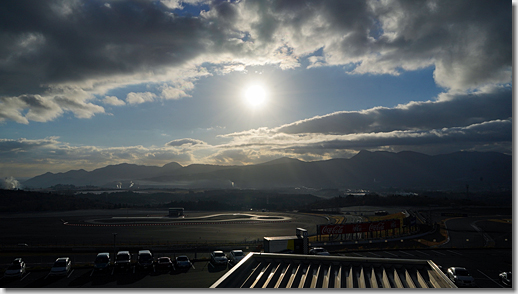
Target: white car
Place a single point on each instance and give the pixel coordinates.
(461, 277)
(218, 258)
(16, 269)
(61, 267)
(318, 251)
(183, 261)
(235, 257)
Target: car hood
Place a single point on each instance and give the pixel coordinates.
(465, 278)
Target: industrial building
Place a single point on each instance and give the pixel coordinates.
(271, 270)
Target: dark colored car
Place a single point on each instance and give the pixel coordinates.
(123, 260)
(102, 261)
(183, 261)
(164, 263)
(145, 259)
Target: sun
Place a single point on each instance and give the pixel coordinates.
(255, 96)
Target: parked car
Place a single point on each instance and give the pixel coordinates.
(506, 278)
(61, 267)
(145, 259)
(102, 261)
(318, 251)
(218, 258)
(461, 277)
(16, 269)
(164, 262)
(183, 261)
(235, 257)
(123, 260)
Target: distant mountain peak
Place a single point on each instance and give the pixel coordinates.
(172, 165)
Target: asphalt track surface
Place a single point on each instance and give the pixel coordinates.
(135, 227)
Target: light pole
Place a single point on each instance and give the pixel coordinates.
(114, 251)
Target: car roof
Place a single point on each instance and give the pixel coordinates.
(144, 251)
(62, 258)
(103, 253)
(456, 268)
(123, 252)
(217, 251)
(237, 250)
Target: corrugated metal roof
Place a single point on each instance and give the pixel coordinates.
(270, 270)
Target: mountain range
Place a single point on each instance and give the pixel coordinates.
(365, 170)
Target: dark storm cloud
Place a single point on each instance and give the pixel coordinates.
(51, 42)
(456, 110)
(185, 141)
(23, 145)
(71, 41)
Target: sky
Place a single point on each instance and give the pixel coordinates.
(86, 84)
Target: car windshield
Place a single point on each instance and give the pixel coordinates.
(60, 263)
(122, 257)
(219, 254)
(182, 258)
(145, 257)
(101, 259)
(163, 259)
(462, 272)
(14, 266)
(238, 253)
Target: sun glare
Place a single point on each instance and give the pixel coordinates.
(255, 96)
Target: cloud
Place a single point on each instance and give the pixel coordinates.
(97, 47)
(23, 145)
(477, 121)
(448, 110)
(185, 141)
(138, 98)
(112, 100)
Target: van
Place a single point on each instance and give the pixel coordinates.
(145, 259)
(123, 260)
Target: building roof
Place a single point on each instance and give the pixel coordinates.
(271, 270)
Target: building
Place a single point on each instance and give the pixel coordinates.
(270, 270)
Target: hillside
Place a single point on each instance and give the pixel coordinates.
(366, 170)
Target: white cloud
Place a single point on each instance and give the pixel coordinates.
(112, 100)
(138, 98)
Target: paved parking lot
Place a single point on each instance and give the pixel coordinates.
(200, 275)
(483, 264)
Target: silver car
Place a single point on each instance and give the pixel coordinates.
(218, 258)
(461, 277)
(235, 257)
(61, 267)
(16, 269)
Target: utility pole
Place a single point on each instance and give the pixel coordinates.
(114, 251)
